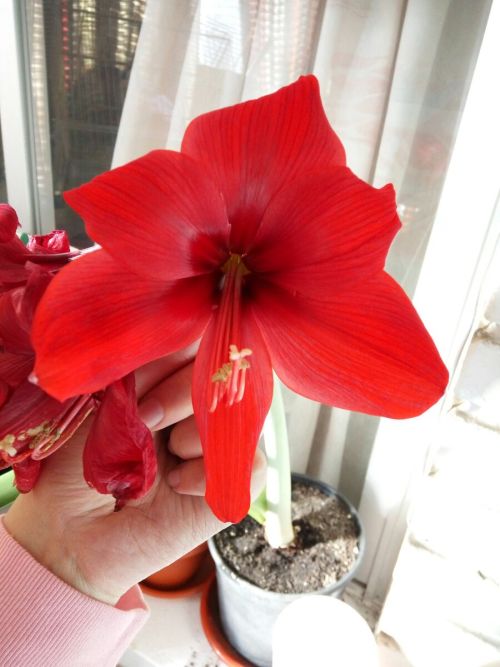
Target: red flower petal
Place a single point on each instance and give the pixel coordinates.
(119, 455)
(15, 368)
(13, 337)
(253, 149)
(4, 390)
(159, 215)
(325, 232)
(17, 307)
(367, 350)
(11, 274)
(56, 242)
(9, 223)
(230, 434)
(27, 414)
(26, 474)
(97, 322)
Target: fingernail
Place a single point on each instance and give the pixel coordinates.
(173, 478)
(151, 412)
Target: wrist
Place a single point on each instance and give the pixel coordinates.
(53, 542)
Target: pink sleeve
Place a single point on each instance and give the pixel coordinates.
(44, 621)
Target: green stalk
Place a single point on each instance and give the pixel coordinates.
(278, 513)
(8, 492)
(257, 509)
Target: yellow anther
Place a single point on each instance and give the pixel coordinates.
(236, 355)
(223, 373)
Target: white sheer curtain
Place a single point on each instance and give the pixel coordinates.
(393, 75)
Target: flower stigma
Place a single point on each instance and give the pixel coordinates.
(229, 357)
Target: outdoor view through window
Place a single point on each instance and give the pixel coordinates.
(90, 48)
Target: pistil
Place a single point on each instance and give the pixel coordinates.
(229, 358)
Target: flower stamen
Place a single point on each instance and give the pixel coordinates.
(63, 427)
(229, 379)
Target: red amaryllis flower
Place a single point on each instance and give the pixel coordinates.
(33, 425)
(259, 239)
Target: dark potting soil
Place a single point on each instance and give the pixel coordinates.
(325, 547)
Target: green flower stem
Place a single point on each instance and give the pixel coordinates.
(278, 523)
(258, 509)
(8, 492)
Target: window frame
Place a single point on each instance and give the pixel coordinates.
(24, 116)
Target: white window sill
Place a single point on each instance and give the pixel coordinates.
(173, 636)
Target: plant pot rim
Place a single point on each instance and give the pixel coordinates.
(228, 571)
(212, 627)
(193, 585)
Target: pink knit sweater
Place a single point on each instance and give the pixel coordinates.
(47, 623)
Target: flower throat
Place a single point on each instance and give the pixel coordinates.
(229, 358)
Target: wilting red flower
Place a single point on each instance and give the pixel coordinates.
(29, 418)
(33, 425)
(259, 239)
(52, 250)
(49, 244)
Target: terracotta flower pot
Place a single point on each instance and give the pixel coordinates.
(212, 627)
(248, 613)
(185, 576)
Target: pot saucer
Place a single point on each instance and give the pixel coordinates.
(192, 586)
(210, 620)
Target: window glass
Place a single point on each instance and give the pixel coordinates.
(90, 47)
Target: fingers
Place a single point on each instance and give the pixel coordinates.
(185, 441)
(188, 478)
(149, 375)
(168, 402)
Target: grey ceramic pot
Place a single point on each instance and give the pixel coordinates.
(248, 612)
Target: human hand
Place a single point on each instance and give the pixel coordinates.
(72, 529)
